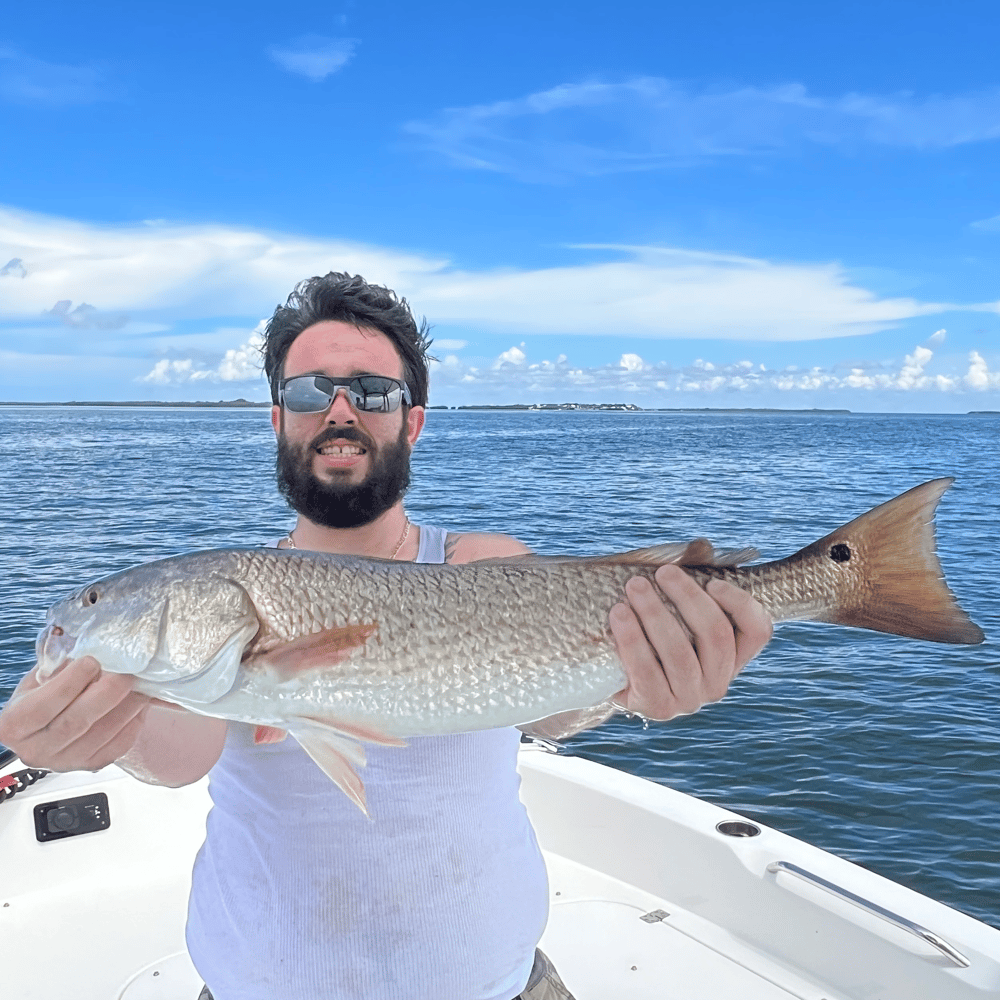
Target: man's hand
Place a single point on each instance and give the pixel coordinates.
(82, 719)
(79, 719)
(668, 673)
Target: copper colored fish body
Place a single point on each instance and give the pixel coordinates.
(341, 650)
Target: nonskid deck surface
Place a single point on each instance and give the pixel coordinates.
(612, 940)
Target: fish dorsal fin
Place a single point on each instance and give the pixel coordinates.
(699, 552)
(731, 557)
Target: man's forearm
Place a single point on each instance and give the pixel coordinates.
(175, 747)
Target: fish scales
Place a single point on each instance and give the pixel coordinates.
(446, 642)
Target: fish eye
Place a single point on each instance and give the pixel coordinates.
(91, 597)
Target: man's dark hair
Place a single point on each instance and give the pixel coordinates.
(349, 299)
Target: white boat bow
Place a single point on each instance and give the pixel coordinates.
(655, 894)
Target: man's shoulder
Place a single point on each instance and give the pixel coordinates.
(471, 546)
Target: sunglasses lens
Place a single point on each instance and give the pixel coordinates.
(304, 395)
(376, 393)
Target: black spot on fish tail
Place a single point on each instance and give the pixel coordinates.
(840, 552)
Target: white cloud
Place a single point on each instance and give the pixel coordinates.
(25, 80)
(647, 123)
(449, 345)
(166, 372)
(514, 356)
(744, 383)
(165, 273)
(314, 56)
(991, 225)
(669, 293)
(242, 363)
(239, 364)
(912, 372)
(176, 271)
(979, 375)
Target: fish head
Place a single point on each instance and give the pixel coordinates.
(176, 627)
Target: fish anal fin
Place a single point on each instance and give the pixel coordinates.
(355, 731)
(340, 760)
(316, 650)
(337, 751)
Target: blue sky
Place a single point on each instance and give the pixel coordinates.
(718, 204)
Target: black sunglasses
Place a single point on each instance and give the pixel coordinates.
(315, 393)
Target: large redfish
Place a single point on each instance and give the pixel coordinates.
(339, 650)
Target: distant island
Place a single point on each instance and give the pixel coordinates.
(632, 408)
(602, 407)
(523, 407)
(228, 403)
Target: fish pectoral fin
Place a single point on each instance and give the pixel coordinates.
(340, 760)
(316, 650)
(268, 734)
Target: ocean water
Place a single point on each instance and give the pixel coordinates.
(882, 750)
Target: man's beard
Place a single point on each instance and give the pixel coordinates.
(343, 505)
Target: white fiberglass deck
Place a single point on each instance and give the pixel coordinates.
(620, 848)
(603, 947)
(101, 916)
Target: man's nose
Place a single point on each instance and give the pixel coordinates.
(341, 409)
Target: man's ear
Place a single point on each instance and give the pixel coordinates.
(414, 424)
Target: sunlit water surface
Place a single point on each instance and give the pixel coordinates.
(882, 750)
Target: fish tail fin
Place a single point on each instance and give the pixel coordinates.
(889, 576)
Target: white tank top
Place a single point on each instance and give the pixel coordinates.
(441, 895)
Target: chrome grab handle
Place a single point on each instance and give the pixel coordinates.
(949, 952)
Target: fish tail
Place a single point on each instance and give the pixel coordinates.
(886, 573)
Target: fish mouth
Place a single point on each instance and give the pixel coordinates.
(53, 647)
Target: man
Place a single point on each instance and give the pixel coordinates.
(442, 896)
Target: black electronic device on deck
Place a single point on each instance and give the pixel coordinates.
(71, 817)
